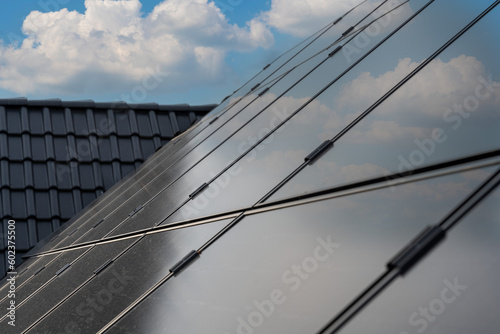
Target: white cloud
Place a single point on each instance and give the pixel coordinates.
(302, 17)
(113, 46)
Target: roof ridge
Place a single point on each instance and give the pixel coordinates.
(23, 101)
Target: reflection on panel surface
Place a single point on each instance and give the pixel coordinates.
(453, 290)
(263, 123)
(310, 259)
(449, 110)
(280, 154)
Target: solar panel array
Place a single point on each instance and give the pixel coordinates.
(349, 187)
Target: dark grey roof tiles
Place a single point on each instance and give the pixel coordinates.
(57, 156)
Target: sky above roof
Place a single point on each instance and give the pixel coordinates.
(170, 51)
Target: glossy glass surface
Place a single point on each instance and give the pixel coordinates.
(449, 110)
(454, 289)
(310, 260)
(280, 154)
(301, 64)
(64, 284)
(124, 281)
(251, 104)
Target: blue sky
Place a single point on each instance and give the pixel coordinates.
(230, 56)
(165, 51)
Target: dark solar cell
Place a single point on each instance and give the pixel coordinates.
(150, 259)
(68, 277)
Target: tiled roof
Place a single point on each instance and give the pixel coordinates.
(57, 156)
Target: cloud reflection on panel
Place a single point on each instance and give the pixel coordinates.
(301, 17)
(447, 111)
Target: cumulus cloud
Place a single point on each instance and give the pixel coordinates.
(113, 45)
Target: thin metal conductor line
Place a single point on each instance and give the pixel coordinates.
(378, 183)
(340, 39)
(320, 32)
